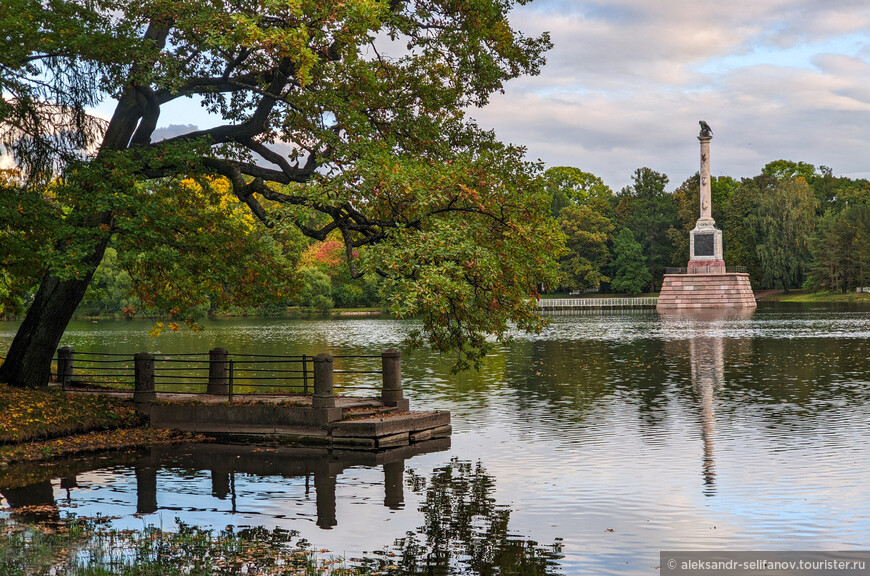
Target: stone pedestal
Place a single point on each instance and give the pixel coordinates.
(705, 248)
(705, 291)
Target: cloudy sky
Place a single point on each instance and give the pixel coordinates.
(628, 80)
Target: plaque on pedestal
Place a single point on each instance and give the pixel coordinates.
(705, 247)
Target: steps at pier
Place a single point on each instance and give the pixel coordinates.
(366, 423)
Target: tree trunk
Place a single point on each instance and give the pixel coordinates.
(28, 362)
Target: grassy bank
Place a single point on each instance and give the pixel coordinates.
(27, 414)
(801, 296)
(38, 425)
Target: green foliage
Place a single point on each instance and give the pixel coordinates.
(110, 290)
(466, 273)
(26, 231)
(382, 157)
(648, 211)
(784, 220)
(721, 188)
(364, 291)
(347, 292)
(739, 235)
(316, 291)
(630, 273)
(587, 234)
(836, 192)
(841, 259)
(568, 185)
(788, 170)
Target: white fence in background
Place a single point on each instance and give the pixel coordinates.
(585, 303)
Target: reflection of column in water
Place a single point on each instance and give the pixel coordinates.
(394, 477)
(707, 359)
(233, 490)
(707, 356)
(146, 489)
(220, 484)
(324, 486)
(68, 484)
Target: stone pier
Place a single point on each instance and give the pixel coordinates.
(705, 291)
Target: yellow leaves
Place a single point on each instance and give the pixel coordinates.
(215, 196)
(156, 330)
(29, 414)
(93, 441)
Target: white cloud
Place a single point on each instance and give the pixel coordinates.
(173, 130)
(628, 80)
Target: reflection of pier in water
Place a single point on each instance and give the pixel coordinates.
(320, 468)
(707, 362)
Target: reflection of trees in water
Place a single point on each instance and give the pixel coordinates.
(799, 381)
(572, 379)
(465, 531)
(815, 374)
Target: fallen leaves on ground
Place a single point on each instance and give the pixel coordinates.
(28, 414)
(93, 442)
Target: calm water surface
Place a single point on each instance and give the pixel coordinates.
(610, 435)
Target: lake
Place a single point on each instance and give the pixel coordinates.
(608, 437)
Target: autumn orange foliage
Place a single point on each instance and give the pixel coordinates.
(323, 255)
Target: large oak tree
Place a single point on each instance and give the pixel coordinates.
(336, 119)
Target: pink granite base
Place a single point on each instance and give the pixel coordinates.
(713, 265)
(705, 291)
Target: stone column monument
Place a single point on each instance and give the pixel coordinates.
(705, 283)
(705, 242)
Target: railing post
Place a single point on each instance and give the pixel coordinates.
(391, 393)
(305, 374)
(143, 390)
(232, 376)
(323, 400)
(324, 393)
(217, 371)
(65, 365)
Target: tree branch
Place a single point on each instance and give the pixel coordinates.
(294, 173)
(150, 114)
